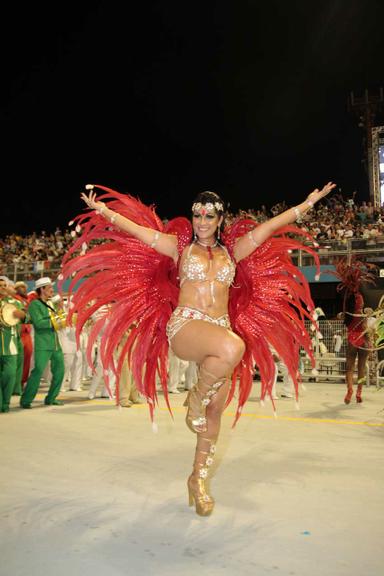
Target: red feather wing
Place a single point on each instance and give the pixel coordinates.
(139, 286)
(269, 300)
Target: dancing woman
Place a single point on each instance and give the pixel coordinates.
(354, 275)
(202, 312)
(357, 344)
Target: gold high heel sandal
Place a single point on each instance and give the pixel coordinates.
(204, 503)
(198, 399)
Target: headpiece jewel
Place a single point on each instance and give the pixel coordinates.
(209, 206)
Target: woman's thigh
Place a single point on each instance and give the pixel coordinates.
(198, 339)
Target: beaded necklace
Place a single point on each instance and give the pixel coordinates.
(208, 247)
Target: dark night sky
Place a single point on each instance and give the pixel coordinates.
(164, 99)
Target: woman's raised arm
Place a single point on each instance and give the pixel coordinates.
(250, 241)
(163, 243)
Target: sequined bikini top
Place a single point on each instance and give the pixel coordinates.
(195, 269)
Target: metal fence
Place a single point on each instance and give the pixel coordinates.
(330, 347)
(30, 271)
(330, 251)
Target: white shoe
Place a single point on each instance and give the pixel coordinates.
(287, 395)
(174, 391)
(91, 396)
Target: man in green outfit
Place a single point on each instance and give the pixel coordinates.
(46, 346)
(10, 343)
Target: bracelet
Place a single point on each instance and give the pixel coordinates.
(310, 203)
(155, 239)
(113, 218)
(297, 212)
(100, 210)
(250, 236)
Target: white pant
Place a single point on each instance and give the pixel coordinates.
(99, 380)
(73, 362)
(47, 374)
(181, 373)
(86, 370)
(288, 386)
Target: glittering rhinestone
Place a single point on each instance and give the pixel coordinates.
(203, 473)
(209, 461)
(201, 421)
(205, 401)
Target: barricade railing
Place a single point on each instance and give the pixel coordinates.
(330, 348)
(30, 271)
(329, 252)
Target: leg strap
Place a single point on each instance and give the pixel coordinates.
(202, 463)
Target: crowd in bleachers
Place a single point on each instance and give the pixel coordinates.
(44, 246)
(335, 218)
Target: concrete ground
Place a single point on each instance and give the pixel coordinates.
(90, 490)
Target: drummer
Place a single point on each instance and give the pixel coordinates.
(47, 347)
(10, 343)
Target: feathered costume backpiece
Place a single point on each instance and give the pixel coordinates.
(110, 270)
(353, 275)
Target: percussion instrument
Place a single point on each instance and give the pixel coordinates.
(6, 314)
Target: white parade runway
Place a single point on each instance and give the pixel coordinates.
(90, 490)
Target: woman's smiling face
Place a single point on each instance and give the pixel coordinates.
(205, 222)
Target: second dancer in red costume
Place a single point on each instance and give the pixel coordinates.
(354, 276)
(218, 297)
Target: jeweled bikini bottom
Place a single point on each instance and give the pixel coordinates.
(183, 314)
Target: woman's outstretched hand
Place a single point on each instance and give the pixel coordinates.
(91, 201)
(317, 194)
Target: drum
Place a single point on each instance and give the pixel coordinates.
(59, 320)
(6, 314)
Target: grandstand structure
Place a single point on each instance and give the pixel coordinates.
(377, 178)
(368, 107)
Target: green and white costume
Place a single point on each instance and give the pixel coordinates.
(47, 349)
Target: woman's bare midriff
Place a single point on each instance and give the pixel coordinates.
(198, 295)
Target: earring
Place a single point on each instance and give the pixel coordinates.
(218, 233)
(194, 237)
